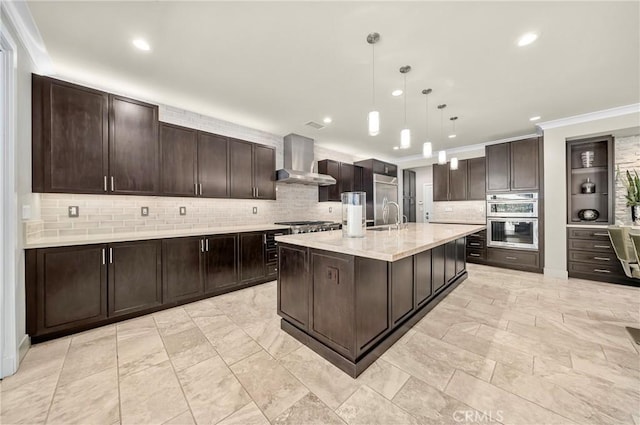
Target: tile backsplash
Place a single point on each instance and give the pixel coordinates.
(627, 157)
(473, 211)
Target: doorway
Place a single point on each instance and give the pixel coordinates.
(427, 202)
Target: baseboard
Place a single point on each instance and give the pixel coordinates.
(556, 273)
(23, 347)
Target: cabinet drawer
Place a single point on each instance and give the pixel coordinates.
(272, 256)
(475, 244)
(595, 234)
(482, 234)
(590, 245)
(272, 269)
(596, 269)
(593, 257)
(476, 254)
(507, 256)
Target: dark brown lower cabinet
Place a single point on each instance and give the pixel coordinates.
(69, 286)
(437, 268)
(423, 277)
(460, 256)
(135, 276)
(221, 262)
(182, 268)
(402, 293)
(372, 294)
(293, 290)
(450, 252)
(252, 256)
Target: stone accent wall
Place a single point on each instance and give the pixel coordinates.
(107, 214)
(627, 157)
(473, 211)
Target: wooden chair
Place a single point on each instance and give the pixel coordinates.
(619, 239)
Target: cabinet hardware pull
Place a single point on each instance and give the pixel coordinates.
(112, 184)
(195, 188)
(104, 255)
(264, 238)
(472, 254)
(110, 255)
(201, 245)
(601, 271)
(105, 184)
(206, 245)
(200, 186)
(474, 244)
(511, 258)
(602, 246)
(600, 234)
(602, 258)
(257, 192)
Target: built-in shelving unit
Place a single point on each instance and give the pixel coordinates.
(600, 173)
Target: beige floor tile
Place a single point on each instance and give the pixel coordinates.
(273, 339)
(204, 308)
(328, 382)
(502, 313)
(622, 358)
(368, 407)
(90, 400)
(429, 405)
(188, 347)
(621, 376)
(506, 407)
(270, 385)
(87, 356)
(28, 403)
(548, 395)
(248, 415)
(151, 396)
(452, 315)
(183, 419)
(212, 391)
(172, 321)
(229, 340)
(139, 348)
(384, 378)
(309, 410)
(41, 361)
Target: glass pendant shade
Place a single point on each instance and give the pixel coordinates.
(454, 163)
(442, 157)
(427, 150)
(405, 138)
(374, 123)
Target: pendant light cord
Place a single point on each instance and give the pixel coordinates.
(426, 115)
(405, 100)
(373, 74)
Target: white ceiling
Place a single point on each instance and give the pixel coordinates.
(276, 65)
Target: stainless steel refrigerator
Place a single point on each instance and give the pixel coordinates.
(385, 189)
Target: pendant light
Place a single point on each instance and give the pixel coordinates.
(405, 134)
(442, 155)
(427, 148)
(374, 115)
(454, 161)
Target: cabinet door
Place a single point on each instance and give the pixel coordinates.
(221, 262)
(329, 193)
(70, 137)
(182, 268)
(458, 182)
(460, 255)
(498, 167)
(345, 182)
(402, 292)
(437, 268)
(252, 264)
(450, 253)
(179, 151)
(423, 277)
(440, 182)
(135, 276)
(240, 169)
(293, 285)
(71, 287)
(134, 148)
(524, 164)
(264, 171)
(358, 176)
(213, 161)
(476, 179)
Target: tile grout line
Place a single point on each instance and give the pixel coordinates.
(58, 381)
(118, 376)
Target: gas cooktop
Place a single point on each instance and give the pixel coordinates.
(310, 226)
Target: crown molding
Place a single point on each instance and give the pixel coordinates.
(591, 116)
(27, 31)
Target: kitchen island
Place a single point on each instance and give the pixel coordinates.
(350, 299)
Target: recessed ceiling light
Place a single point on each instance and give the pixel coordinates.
(452, 136)
(527, 39)
(141, 44)
(396, 93)
(536, 118)
(327, 120)
(395, 148)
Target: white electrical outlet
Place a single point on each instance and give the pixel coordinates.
(255, 210)
(74, 211)
(448, 209)
(26, 212)
(330, 209)
(183, 210)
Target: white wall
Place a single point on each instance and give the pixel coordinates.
(555, 207)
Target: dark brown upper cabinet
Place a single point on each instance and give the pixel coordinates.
(348, 177)
(179, 147)
(476, 170)
(134, 150)
(252, 167)
(513, 166)
(213, 165)
(70, 136)
(409, 195)
(458, 182)
(440, 182)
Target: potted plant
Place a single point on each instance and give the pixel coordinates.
(631, 182)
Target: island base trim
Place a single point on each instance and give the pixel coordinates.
(353, 369)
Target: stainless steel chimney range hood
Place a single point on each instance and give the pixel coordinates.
(299, 163)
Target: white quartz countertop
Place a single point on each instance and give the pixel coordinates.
(49, 242)
(448, 221)
(385, 245)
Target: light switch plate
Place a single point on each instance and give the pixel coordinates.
(144, 211)
(26, 212)
(74, 211)
(255, 210)
(183, 210)
(330, 209)
(448, 209)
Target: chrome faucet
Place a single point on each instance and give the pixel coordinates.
(386, 211)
